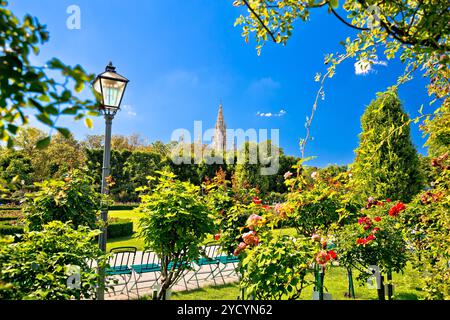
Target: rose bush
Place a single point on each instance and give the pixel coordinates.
(278, 268)
(375, 238)
(321, 203)
(427, 228)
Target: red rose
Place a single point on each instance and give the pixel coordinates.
(396, 209)
(256, 200)
(375, 230)
(217, 236)
(332, 254)
(377, 219)
(370, 237)
(361, 241)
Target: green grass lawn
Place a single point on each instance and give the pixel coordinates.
(406, 287)
(134, 240)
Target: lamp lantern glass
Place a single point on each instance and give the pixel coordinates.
(111, 86)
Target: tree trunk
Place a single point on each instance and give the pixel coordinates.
(381, 289)
(321, 277)
(390, 286)
(351, 287)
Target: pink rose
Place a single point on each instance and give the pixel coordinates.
(250, 238)
(254, 221)
(240, 248)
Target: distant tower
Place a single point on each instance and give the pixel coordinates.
(220, 136)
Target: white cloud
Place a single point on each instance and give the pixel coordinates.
(129, 110)
(270, 114)
(364, 67)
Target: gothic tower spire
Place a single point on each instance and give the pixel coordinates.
(220, 135)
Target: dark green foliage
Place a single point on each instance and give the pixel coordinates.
(138, 166)
(387, 164)
(118, 228)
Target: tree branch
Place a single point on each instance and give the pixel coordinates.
(345, 22)
(260, 21)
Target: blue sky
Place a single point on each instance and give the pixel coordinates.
(184, 57)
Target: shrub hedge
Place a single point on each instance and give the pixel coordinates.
(10, 228)
(123, 206)
(118, 228)
(10, 215)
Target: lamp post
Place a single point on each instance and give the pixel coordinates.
(111, 87)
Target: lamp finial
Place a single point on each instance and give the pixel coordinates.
(110, 67)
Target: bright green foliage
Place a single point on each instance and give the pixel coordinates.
(277, 269)
(70, 199)
(375, 239)
(387, 164)
(437, 129)
(176, 222)
(428, 230)
(38, 267)
(318, 202)
(25, 86)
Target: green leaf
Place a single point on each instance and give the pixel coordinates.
(43, 143)
(89, 123)
(44, 118)
(56, 64)
(71, 110)
(64, 131)
(334, 4)
(12, 128)
(79, 86)
(36, 104)
(66, 95)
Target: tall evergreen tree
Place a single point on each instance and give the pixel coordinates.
(387, 164)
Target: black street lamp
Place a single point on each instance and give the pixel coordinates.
(111, 86)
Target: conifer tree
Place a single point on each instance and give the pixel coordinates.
(387, 164)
